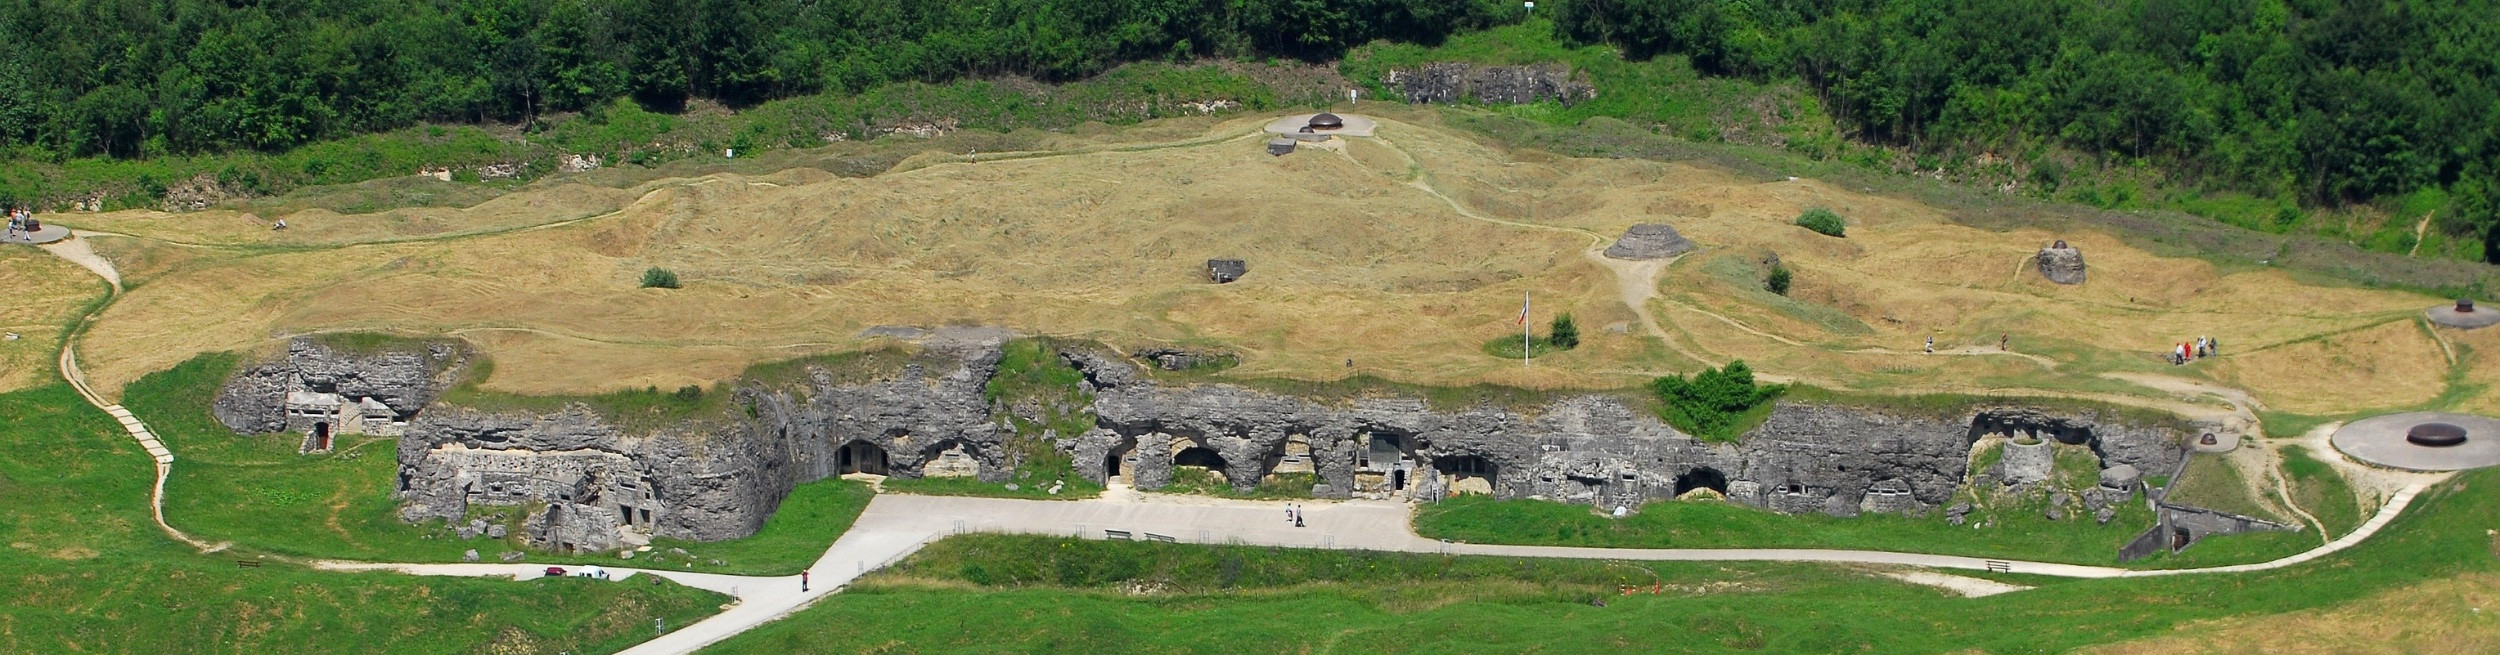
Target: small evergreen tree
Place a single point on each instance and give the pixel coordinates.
(1566, 334)
(659, 278)
(1823, 220)
(1778, 282)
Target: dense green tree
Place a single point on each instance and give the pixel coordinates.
(1565, 333)
(1710, 403)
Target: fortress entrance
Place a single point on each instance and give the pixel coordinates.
(1465, 474)
(859, 457)
(1702, 477)
(321, 436)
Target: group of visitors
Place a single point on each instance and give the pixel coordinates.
(22, 223)
(1293, 514)
(2189, 351)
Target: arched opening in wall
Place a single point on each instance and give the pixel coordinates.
(1466, 474)
(1199, 456)
(320, 436)
(859, 457)
(951, 458)
(1121, 462)
(1703, 477)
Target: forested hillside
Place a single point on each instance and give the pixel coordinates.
(2284, 103)
(151, 77)
(2322, 101)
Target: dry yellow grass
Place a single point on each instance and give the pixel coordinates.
(2458, 615)
(1403, 254)
(39, 293)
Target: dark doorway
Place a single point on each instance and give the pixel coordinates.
(321, 436)
(1701, 478)
(859, 457)
(2179, 539)
(1199, 456)
(1397, 480)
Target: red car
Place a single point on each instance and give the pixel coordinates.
(555, 571)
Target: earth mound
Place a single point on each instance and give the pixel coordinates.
(1650, 241)
(2061, 263)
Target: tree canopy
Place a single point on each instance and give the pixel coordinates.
(2322, 101)
(153, 77)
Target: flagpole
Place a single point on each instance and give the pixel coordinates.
(1523, 328)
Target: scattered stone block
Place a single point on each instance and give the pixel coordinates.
(2056, 513)
(2105, 515)
(1012, 486)
(495, 531)
(510, 556)
(469, 556)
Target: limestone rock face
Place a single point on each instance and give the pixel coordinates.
(2061, 263)
(599, 481)
(1649, 241)
(707, 479)
(1450, 82)
(404, 376)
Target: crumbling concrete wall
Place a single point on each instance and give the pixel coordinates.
(1586, 449)
(711, 479)
(406, 376)
(600, 483)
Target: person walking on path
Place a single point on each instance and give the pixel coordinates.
(802, 581)
(2005, 342)
(1931, 345)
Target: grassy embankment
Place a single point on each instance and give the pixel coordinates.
(1666, 97)
(1194, 598)
(89, 572)
(256, 492)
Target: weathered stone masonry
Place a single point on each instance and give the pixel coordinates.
(592, 485)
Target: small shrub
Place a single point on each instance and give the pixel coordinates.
(1566, 334)
(689, 393)
(659, 278)
(1778, 281)
(1823, 220)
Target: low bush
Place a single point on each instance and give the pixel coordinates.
(659, 278)
(1823, 220)
(1779, 280)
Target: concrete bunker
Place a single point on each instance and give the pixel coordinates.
(859, 456)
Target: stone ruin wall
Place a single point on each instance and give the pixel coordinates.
(719, 479)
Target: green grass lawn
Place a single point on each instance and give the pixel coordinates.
(792, 538)
(257, 493)
(2211, 483)
(1032, 594)
(2321, 491)
(2017, 532)
(1032, 488)
(87, 571)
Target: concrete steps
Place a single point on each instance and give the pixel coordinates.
(140, 432)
